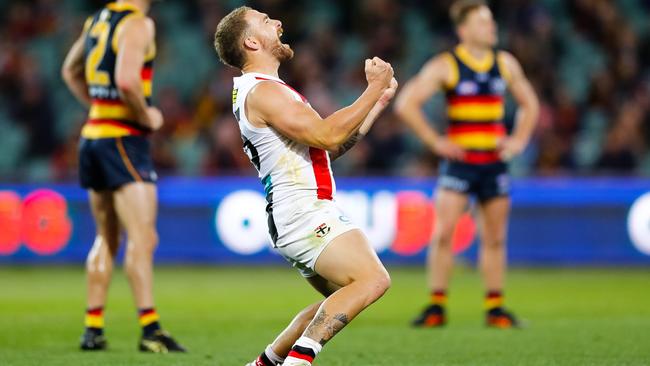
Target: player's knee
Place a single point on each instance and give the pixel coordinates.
(148, 234)
(495, 243)
(385, 282)
(379, 283)
(153, 238)
(444, 238)
(144, 239)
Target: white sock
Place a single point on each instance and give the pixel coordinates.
(277, 360)
(305, 347)
(309, 343)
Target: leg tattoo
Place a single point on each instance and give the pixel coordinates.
(325, 327)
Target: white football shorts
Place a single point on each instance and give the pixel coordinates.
(306, 232)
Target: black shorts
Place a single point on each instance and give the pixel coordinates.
(109, 163)
(485, 181)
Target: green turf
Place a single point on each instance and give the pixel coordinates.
(226, 316)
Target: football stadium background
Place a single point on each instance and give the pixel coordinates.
(579, 239)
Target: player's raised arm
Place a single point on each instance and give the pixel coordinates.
(375, 112)
(136, 35)
(274, 105)
(528, 111)
(412, 98)
(73, 73)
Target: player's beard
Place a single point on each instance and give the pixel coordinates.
(282, 52)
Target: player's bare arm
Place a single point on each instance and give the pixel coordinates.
(375, 112)
(528, 111)
(73, 71)
(272, 104)
(134, 39)
(409, 106)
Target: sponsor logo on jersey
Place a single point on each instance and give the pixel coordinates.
(467, 88)
(497, 86)
(322, 230)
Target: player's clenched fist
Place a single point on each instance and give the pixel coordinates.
(379, 72)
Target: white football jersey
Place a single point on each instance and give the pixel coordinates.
(292, 173)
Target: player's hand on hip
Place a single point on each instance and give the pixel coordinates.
(448, 149)
(379, 73)
(510, 147)
(155, 118)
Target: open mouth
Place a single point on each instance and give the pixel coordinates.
(280, 33)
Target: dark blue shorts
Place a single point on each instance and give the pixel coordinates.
(484, 181)
(109, 163)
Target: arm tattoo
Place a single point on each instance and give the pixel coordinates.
(346, 146)
(325, 327)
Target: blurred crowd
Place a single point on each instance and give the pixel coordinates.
(589, 61)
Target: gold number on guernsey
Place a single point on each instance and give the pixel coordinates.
(234, 96)
(100, 31)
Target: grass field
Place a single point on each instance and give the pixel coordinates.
(226, 316)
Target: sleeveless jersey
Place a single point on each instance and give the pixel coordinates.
(290, 171)
(109, 117)
(475, 105)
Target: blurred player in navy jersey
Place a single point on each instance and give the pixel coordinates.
(474, 76)
(109, 70)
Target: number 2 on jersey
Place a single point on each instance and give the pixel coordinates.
(100, 31)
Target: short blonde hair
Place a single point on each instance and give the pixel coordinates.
(228, 37)
(460, 9)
